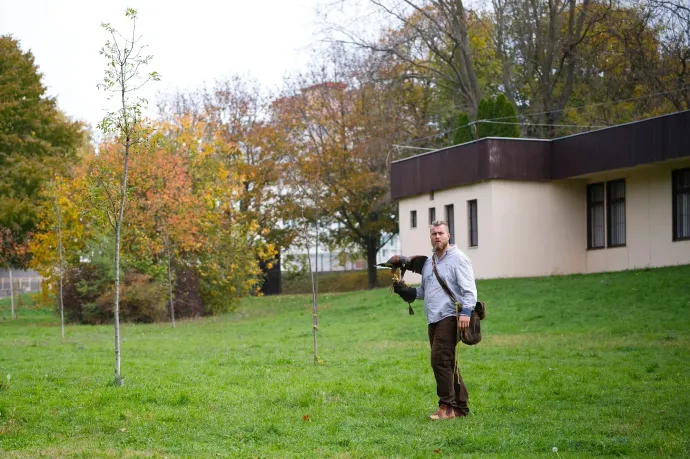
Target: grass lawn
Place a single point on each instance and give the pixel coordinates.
(595, 365)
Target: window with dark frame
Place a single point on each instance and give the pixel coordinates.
(413, 219)
(472, 222)
(681, 204)
(432, 214)
(596, 216)
(450, 219)
(615, 213)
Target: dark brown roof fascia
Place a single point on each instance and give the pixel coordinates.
(485, 159)
(627, 145)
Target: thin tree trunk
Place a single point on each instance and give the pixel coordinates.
(503, 11)
(316, 280)
(118, 227)
(61, 262)
(315, 311)
(170, 285)
(118, 379)
(62, 306)
(9, 268)
(315, 308)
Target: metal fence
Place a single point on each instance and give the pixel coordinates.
(21, 285)
(329, 261)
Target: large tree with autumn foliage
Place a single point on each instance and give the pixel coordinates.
(236, 112)
(341, 123)
(36, 141)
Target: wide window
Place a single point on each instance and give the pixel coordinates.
(413, 218)
(596, 216)
(450, 219)
(472, 222)
(681, 204)
(615, 200)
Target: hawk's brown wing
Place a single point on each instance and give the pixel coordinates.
(416, 263)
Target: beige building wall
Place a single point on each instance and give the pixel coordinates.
(540, 228)
(649, 221)
(524, 228)
(416, 241)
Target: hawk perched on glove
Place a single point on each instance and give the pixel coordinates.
(401, 263)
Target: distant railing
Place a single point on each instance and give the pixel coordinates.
(21, 285)
(329, 261)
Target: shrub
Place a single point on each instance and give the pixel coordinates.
(82, 286)
(141, 300)
(88, 297)
(188, 301)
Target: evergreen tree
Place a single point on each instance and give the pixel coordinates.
(504, 110)
(485, 112)
(464, 132)
(491, 108)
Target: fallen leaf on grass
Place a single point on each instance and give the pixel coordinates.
(123, 429)
(437, 451)
(306, 418)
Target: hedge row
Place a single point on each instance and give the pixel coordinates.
(334, 281)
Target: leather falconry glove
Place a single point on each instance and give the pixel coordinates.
(409, 294)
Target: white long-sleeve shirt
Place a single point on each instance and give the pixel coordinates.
(456, 269)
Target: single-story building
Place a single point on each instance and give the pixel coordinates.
(607, 200)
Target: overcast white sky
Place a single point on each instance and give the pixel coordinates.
(192, 42)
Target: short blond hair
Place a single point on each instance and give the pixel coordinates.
(436, 223)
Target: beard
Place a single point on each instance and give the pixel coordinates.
(440, 245)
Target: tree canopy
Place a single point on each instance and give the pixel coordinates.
(36, 142)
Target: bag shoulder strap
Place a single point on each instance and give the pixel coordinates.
(442, 281)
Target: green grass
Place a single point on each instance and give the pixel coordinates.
(596, 365)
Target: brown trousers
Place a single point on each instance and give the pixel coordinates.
(450, 388)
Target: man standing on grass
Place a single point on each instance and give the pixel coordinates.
(444, 322)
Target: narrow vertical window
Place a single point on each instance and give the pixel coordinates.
(432, 214)
(681, 204)
(450, 218)
(472, 222)
(413, 218)
(595, 216)
(615, 203)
